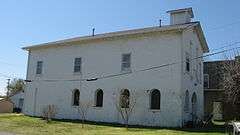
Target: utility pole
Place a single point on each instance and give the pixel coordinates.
(8, 82)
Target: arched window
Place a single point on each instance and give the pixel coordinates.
(76, 96)
(194, 107)
(194, 98)
(125, 99)
(186, 105)
(99, 98)
(155, 99)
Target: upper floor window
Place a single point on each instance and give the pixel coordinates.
(187, 62)
(39, 67)
(77, 64)
(155, 99)
(126, 62)
(200, 72)
(206, 81)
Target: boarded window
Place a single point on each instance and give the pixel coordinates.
(206, 81)
(39, 67)
(77, 64)
(126, 62)
(155, 99)
(125, 99)
(76, 96)
(99, 98)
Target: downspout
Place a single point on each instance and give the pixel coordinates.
(182, 78)
(27, 78)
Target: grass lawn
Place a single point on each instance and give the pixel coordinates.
(25, 125)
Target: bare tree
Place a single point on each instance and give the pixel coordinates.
(126, 105)
(49, 112)
(231, 81)
(83, 110)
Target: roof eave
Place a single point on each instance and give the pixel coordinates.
(107, 35)
(202, 38)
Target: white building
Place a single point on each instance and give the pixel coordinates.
(18, 99)
(157, 66)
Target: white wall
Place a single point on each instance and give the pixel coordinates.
(101, 58)
(15, 99)
(190, 81)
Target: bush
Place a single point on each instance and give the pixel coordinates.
(17, 110)
(49, 112)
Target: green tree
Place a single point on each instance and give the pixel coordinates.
(16, 85)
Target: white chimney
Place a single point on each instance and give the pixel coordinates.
(180, 16)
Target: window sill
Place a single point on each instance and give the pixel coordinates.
(155, 110)
(77, 73)
(98, 107)
(75, 106)
(38, 75)
(126, 71)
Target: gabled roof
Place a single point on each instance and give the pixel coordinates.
(177, 27)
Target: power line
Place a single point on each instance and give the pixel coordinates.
(229, 45)
(146, 69)
(224, 26)
(6, 76)
(169, 64)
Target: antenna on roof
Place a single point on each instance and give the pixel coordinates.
(93, 32)
(160, 23)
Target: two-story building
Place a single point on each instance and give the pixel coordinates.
(159, 67)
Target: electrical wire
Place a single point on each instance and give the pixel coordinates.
(146, 69)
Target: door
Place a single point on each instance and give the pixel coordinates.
(194, 108)
(217, 111)
(20, 103)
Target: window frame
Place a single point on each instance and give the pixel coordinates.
(207, 80)
(39, 68)
(151, 103)
(77, 67)
(74, 96)
(127, 94)
(187, 63)
(126, 62)
(186, 101)
(96, 98)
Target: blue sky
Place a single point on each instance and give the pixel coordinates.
(29, 22)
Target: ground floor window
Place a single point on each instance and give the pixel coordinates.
(155, 99)
(125, 98)
(99, 98)
(76, 97)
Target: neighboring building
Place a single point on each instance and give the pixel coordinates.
(18, 100)
(102, 67)
(6, 106)
(213, 91)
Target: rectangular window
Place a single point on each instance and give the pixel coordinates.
(77, 65)
(187, 62)
(200, 72)
(126, 62)
(206, 81)
(39, 67)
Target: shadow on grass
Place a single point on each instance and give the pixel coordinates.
(137, 128)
